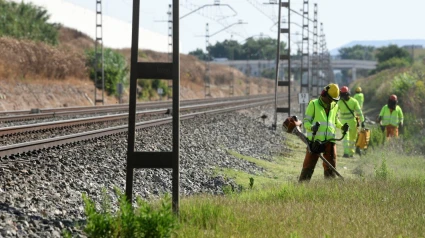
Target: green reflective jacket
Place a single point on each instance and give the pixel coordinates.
(345, 115)
(360, 98)
(393, 118)
(315, 112)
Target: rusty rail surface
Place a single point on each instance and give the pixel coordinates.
(38, 145)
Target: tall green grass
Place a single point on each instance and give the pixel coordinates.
(383, 195)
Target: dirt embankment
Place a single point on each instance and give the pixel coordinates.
(36, 75)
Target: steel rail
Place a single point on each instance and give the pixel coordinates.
(105, 110)
(123, 107)
(99, 119)
(39, 145)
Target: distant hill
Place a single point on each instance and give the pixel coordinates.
(380, 43)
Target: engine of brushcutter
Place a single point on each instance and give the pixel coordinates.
(291, 123)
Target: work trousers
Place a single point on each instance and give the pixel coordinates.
(391, 131)
(310, 162)
(349, 141)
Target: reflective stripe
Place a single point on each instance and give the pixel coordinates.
(307, 117)
(347, 118)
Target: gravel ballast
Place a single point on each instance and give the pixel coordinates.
(43, 197)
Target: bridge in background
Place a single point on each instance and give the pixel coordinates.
(255, 67)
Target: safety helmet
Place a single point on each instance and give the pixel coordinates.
(393, 98)
(333, 91)
(344, 89)
(358, 90)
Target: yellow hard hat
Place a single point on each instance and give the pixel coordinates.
(333, 91)
(358, 90)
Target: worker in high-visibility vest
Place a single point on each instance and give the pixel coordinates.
(322, 110)
(350, 113)
(359, 96)
(391, 117)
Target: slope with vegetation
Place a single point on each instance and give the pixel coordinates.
(37, 54)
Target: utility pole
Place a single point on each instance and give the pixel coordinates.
(98, 58)
(207, 88)
(207, 81)
(286, 56)
(170, 46)
(315, 63)
(322, 75)
(305, 57)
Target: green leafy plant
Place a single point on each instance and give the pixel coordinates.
(115, 69)
(27, 21)
(377, 136)
(251, 182)
(383, 172)
(145, 220)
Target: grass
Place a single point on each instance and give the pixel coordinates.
(383, 195)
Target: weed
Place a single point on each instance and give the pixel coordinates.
(142, 221)
(251, 182)
(383, 172)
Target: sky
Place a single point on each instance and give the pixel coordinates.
(343, 20)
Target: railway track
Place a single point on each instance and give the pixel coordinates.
(34, 146)
(25, 115)
(108, 118)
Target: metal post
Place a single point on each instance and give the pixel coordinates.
(287, 57)
(170, 46)
(277, 63)
(207, 85)
(314, 73)
(98, 55)
(305, 54)
(154, 70)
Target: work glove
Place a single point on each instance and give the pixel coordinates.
(345, 127)
(315, 128)
(363, 124)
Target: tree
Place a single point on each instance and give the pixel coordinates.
(392, 51)
(199, 53)
(252, 49)
(115, 69)
(357, 52)
(391, 56)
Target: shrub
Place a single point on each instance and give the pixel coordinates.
(26, 21)
(403, 83)
(115, 69)
(149, 88)
(143, 221)
(377, 136)
(392, 63)
(383, 172)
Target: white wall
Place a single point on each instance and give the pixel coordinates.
(116, 33)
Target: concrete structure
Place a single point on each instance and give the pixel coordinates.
(255, 67)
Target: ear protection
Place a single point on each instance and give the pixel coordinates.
(325, 92)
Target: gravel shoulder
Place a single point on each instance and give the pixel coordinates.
(43, 197)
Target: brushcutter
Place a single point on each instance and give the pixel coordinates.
(292, 125)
